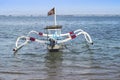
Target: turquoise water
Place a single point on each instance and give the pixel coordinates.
(81, 61)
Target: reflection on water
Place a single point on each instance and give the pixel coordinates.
(63, 65)
(53, 63)
(81, 62)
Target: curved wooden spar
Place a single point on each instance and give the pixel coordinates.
(71, 35)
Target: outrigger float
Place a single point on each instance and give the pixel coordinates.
(54, 38)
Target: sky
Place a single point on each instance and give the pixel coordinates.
(63, 7)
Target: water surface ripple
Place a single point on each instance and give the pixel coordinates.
(80, 61)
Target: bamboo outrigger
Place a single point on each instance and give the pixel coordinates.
(54, 37)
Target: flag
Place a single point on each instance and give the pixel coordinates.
(51, 12)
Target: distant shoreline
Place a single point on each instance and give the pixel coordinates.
(79, 15)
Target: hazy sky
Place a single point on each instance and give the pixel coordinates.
(41, 7)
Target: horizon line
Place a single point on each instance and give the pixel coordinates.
(60, 15)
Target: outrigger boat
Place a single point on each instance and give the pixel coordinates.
(54, 38)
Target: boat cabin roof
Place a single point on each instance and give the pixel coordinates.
(54, 27)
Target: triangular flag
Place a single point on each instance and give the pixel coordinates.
(51, 12)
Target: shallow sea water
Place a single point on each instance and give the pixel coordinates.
(80, 61)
